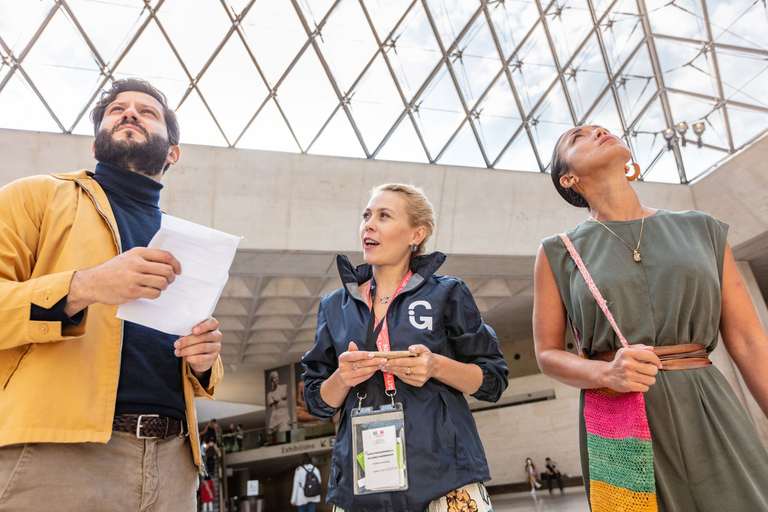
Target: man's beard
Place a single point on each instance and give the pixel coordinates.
(143, 157)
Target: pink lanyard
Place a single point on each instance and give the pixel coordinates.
(382, 340)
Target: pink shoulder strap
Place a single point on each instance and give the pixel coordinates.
(593, 288)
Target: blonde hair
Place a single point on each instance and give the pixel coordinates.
(417, 206)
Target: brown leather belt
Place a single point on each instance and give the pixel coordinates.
(687, 356)
(147, 426)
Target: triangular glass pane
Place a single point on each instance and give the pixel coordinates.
(512, 21)
(347, 44)
(272, 24)
(520, 156)
(586, 77)
(110, 39)
(664, 170)
(636, 85)
(197, 125)
(404, 145)
(463, 150)
(440, 112)
(498, 118)
(699, 160)
(686, 67)
(307, 109)
(645, 136)
(20, 109)
(450, 17)
(743, 76)
(233, 88)
(315, 10)
(338, 139)
(648, 144)
(681, 18)
(62, 68)
(385, 14)
(550, 121)
(745, 125)
(690, 109)
(739, 22)
(479, 62)
(85, 125)
(194, 46)
(606, 115)
(533, 69)
(269, 132)
(376, 104)
(416, 52)
(20, 22)
(236, 6)
(569, 23)
(622, 31)
(152, 59)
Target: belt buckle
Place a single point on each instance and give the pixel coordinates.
(138, 425)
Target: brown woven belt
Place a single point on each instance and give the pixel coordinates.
(148, 426)
(687, 356)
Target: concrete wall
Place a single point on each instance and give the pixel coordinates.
(295, 202)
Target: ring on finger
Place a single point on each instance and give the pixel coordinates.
(408, 371)
(354, 366)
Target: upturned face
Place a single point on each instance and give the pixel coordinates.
(134, 116)
(133, 134)
(591, 148)
(386, 232)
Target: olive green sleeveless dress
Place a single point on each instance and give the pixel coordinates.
(707, 456)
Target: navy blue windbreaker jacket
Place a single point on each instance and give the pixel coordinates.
(443, 448)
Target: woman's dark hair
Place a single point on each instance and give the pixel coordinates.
(305, 459)
(137, 85)
(557, 169)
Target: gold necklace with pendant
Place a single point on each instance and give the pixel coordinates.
(635, 254)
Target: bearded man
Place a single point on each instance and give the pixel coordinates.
(97, 413)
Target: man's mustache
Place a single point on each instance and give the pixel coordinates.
(143, 130)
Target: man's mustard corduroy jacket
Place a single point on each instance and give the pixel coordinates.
(60, 385)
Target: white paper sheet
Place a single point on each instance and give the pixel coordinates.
(380, 452)
(205, 256)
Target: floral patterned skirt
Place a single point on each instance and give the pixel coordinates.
(470, 498)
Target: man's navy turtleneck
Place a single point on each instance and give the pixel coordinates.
(150, 373)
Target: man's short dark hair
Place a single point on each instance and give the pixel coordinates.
(137, 85)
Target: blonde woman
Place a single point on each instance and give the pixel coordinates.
(435, 319)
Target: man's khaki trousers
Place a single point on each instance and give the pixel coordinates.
(126, 474)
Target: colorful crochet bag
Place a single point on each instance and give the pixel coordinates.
(621, 476)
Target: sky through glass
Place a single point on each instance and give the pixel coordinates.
(456, 82)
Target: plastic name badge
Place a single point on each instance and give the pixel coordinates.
(378, 442)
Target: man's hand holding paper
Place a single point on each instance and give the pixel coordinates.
(205, 256)
(201, 348)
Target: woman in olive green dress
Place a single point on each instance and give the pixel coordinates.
(669, 279)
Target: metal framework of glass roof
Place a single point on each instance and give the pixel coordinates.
(480, 83)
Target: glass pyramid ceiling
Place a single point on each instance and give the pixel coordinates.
(479, 83)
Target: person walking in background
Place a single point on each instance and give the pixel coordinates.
(207, 494)
(530, 470)
(553, 473)
(306, 480)
(239, 437)
(80, 387)
(671, 288)
(396, 301)
(212, 454)
(209, 432)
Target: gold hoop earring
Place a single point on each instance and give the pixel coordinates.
(634, 175)
(579, 187)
